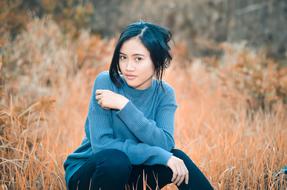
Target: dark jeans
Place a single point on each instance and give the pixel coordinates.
(111, 169)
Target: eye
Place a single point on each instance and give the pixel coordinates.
(138, 59)
(122, 57)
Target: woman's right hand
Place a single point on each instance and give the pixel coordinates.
(179, 170)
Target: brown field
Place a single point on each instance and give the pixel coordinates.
(231, 121)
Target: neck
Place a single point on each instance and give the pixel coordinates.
(148, 80)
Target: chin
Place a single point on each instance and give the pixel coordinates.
(131, 84)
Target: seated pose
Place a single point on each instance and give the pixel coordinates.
(129, 130)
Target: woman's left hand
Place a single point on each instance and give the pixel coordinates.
(110, 100)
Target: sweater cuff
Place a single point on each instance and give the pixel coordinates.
(166, 157)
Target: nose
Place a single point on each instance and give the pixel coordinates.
(130, 66)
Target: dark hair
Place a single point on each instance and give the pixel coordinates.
(155, 38)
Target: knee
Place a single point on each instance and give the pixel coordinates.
(184, 157)
(180, 154)
(116, 164)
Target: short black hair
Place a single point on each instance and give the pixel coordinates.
(154, 37)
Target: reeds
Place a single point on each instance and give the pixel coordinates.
(45, 90)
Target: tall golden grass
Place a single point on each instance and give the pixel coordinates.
(46, 82)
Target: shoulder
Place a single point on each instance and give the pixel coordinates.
(103, 76)
(167, 89)
(103, 81)
(166, 94)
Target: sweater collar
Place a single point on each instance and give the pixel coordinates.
(137, 92)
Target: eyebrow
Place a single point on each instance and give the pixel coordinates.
(136, 54)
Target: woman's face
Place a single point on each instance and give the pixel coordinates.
(135, 64)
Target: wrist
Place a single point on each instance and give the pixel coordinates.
(123, 103)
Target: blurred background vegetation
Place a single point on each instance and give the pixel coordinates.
(229, 72)
(262, 24)
(200, 28)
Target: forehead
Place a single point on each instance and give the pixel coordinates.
(134, 46)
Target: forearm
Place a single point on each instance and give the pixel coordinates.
(146, 130)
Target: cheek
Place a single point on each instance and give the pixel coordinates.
(148, 67)
(121, 66)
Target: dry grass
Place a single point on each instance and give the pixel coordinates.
(235, 146)
(235, 150)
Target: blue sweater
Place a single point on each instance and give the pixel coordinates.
(143, 129)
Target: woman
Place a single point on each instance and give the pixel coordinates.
(130, 123)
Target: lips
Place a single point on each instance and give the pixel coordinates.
(130, 77)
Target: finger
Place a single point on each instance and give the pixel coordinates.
(178, 175)
(98, 97)
(177, 179)
(185, 175)
(174, 174)
(181, 180)
(98, 92)
(181, 176)
(100, 102)
(182, 171)
(101, 91)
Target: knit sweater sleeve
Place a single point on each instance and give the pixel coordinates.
(102, 137)
(158, 132)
